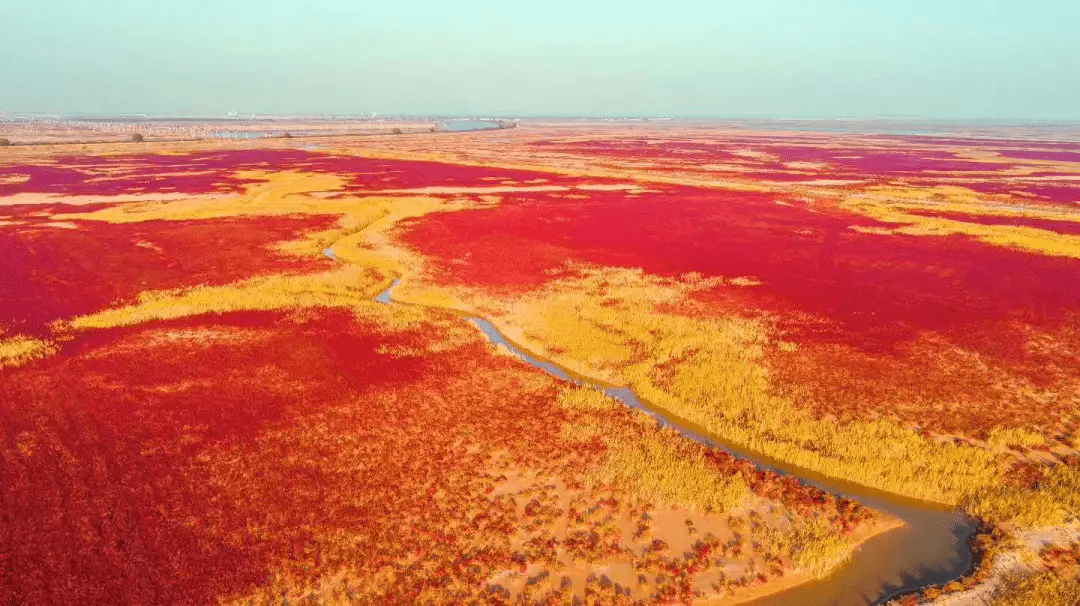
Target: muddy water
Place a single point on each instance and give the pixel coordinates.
(930, 549)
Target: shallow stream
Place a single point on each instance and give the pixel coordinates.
(930, 549)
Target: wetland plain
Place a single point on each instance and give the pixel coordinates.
(567, 362)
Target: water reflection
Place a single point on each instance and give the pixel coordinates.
(464, 125)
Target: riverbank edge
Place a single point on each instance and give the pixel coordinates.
(528, 346)
(387, 296)
(798, 579)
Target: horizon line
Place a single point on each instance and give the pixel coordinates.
(417, 115)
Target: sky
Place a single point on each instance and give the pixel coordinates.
(936, 59)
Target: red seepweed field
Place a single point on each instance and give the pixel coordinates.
(190, 460)
(201, 402)
(69, 270)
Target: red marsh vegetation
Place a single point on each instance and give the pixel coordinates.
(388, 456)
(52, 272)
(205, 172)
(874, 289)
(104, 500)
(316, 455)
(1037, 154)
(850, 159)
(1062, 194)
(841, 293)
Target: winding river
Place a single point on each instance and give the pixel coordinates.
(931, 548)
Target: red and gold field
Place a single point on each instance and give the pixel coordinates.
(199, 405)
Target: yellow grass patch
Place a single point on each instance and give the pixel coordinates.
(575, 167)
(710, 372)
(361, 236)
(1041, 589)
(967, 204)
(346, 287)
(890, 205)
(653, 473)
(371, 244)
(1001, 438)
(361, 240)
(587, 400)
(657, 466)
(1054, 502)
(816, 548)
(496, 189)
(653, 469)
(18, 350)
(277, 193)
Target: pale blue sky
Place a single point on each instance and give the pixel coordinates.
(1006, 59)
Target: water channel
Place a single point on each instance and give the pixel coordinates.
(931, 548)
(465, 125)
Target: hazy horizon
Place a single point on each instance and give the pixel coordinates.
(74, 115)
(1000, 60)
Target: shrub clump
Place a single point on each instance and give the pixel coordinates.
(1038, 590)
